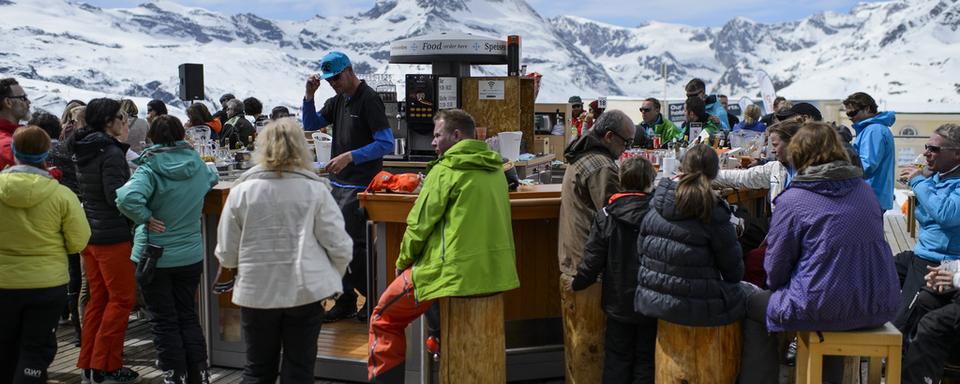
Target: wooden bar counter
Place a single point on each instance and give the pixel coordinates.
(535, 210)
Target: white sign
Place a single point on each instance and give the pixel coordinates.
(491, 89)
(602, 102)
(447, 93)
(433, 47)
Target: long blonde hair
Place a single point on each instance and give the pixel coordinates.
(751, 114)
(694, 194)
(281, 146)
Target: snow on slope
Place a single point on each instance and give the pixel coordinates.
(904, 51)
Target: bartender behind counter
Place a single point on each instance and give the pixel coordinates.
(361, 136)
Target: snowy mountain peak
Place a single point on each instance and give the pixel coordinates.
(900, 51)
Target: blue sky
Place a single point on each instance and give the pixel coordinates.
(699, 13)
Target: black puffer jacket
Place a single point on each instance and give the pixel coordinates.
(612, 249)
(689, 271)
(101, 169)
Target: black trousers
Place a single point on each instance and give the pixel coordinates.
(355, 223)
(28, 338)
(73, 290)
(760, 356)
(170, 300)
(267, 332)
(910, 270)
(933, 328)
(629, 351)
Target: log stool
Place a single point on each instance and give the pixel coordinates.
(695, 355)
(473, 346)
(876, 343)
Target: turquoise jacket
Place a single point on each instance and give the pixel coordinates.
(874, 143)
(459, 237)
(938, 212)
(169, 185)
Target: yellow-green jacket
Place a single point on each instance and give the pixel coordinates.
(459, 238)
(42, 222)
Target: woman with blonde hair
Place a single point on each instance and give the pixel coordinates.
(43, 222)
(828, 265)
(751, 120)
(137, 134)
(687, 240)
(283, 234)
(68, 119)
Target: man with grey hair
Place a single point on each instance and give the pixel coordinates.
(932, 317)
(237, 130)
(591, 178)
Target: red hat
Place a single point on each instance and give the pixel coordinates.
(594, 104)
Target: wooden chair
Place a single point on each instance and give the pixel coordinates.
(473, 345)
(697, 354)
(884, 341)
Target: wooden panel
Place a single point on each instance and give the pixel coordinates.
(538, 270)
(697, 354)
(345, 339)
(473, 342)
(513, 113)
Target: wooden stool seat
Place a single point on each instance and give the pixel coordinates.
(884, 341)
(697, 354)
(472, 342)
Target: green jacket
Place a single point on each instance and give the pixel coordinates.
(169, 184)
(42, 223)
(459, 237)
(666, 129)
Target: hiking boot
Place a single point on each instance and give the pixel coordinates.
(121, 376)
(174, 377)
(198, 374)
(86, 376)
(362, 315)
(790, 359)
(340, 312)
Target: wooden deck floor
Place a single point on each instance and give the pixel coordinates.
(140, 355)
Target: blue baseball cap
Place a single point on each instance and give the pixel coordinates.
(333, 63)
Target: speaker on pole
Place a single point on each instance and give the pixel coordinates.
(191, 81)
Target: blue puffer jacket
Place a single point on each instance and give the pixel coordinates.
(938, 211)
(714, 108)
(874, 143)
(169, 185)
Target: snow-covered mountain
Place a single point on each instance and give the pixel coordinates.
(903, 52)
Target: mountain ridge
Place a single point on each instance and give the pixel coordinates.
(900, 51)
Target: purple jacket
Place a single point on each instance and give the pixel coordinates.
(828, 263)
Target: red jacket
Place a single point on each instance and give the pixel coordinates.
(6, 137)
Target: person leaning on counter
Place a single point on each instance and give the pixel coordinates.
(361, 136)
(458, 242)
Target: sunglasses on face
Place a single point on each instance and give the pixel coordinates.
(853, 112)
(936, 148)
(627, 142)
(21, 97)
(334, 78)
(645, 110)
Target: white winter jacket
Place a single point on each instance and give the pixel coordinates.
(285, 234)
(772, 175)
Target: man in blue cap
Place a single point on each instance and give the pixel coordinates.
(361, 136)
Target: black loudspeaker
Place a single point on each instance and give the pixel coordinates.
(191, 81)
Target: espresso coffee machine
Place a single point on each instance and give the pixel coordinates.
(425, 95)
(394, 111)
